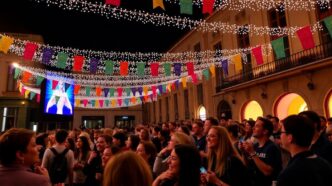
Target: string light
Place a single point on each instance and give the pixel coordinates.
(186, 23)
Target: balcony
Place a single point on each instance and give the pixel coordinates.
(296, 60)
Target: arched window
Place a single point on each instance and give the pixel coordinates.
(202, 113)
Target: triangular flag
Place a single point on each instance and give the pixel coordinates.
(101, 103)
(158, 3)
(94, 65)
(177, 69)
(67, 86)
(62, 60)
(237, 60)
(112, 90)
(208, 6)
(26, 76)
(154, 69)
(106, 90)
(97, 103)
(85, 102)
(124, 68)
(32, 95)
(167, 69)
(176, 83)
(258, 54)
(54, 84)
(109, 65)
(107, 103)
(206, 74)
(194, 78)
(141, 98)
(39, 80)
(57, 99)
(133, 100)
(190, 68)
(328, 24)
(77, 102)
(5, 43)
(113, 2)
(160, 88)
(87, 91)
(145, 90)
(98, 91)
(77, 89)
(173, 86)
(133, 90)
(306, 37)
(29, 51)
(23, 91)
(113, 103)
(128, 91)
(126, 101)
(93, 103)
(151, 97)
(224, 66)
(78, 63)
(164, 88)
(17, 73)
(154, 90)
(47, 55)
(26, 93)
(140, 68)
(146, 98)
(140, 90)
(213, 70)
(38, 98)
(184, 82)
(186, 7)
(119, 102)
(119, 90)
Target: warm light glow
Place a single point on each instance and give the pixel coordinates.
(290, 104)
(15, 64)
(330, 105)
(253, 110)
(202, 113)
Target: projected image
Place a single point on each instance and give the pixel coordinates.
(59, 98)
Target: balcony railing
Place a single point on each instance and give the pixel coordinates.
(298, 59)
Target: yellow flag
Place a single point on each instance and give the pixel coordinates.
(213, 70)
(97, 104)
(5, 43)
(184, 82)
(169, 87)
(113, 102)
(158, 3)
(237, 60)
(145, 90)
(77, 102)
(26, 94)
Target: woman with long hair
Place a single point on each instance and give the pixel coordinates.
(183, 168)
(132, 142)
(147, 151)
(81, 156)
(225, 166)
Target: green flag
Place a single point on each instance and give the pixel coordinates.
(128, 91)
(62, 60)
(109, 67)
(17, 73)
(32, 95)
(206, 74)
(87, 91)
(164, 88)
(186, 7)
(39, 80)
(57, 99)
(328, 24)
(279, 47)
(93, 103)
(112, 92)
(140, 68)
(107, 102)
(167, 68)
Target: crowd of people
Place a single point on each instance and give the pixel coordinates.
(294, 151)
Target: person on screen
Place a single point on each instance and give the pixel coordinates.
(63, 100)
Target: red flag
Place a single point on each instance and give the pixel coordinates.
(123, 68)
(98, 91)
(29, 52)
(154, 90)
(26, 76)
(154, 69)
(194, 78)
(77, 89)
(190, 68)
(54, 84)
(119, 102)
(101, 103)
(119, 91)
(78, 63)
(85, 102)
(113, 2)
(257, 52)
(208, 6)
(38, 98)
(306, 38)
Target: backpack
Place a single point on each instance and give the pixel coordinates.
(58, 169)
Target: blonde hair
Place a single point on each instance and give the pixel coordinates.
(127, 168)
(182, 138)
(224, 150)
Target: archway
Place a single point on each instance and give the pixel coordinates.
(328, 104)
(289, 104)
(202, 113)
(251, 110)
(224, 110)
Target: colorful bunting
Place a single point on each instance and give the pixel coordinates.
(26, 93)
(126, 101)
(176, 83)
(279, 48)
(124, 68)
(113, 102)
(76, 89)
(32, 95)
(212, 69)
(145, 90)
(113, 2)
(190, 68)
(154, 90)
(119, 102)
(206, 74)
(154, 69)
(47, 55)
(109, 67)
(78, 63)
(29, 51)
(54, 84)
(237, 61)
(62, 60)
(67, 85)
(328, 24)
(133, 100)
(177, 69)
(106, 90)
(184, 82)
(224, 66)
(112, 90)
(186, 7)
(133, 90)
(208, 6)
(194, 78)
(94, 65)
(5, 43)
(140, 90)
(127, 91)
(306, 37)
(119, 90)
(257, 52)
(158, 3)
(160, 88)
(98, 91)
(167, 69)
(93, 103)
(17, 73)
(77, 102)
(38, 98)
(87, 91)
(101, 103)
(140, 68)
(85, 102)
(107, 102)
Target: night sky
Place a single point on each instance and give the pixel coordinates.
(87, 31)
